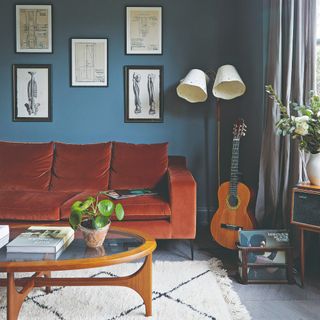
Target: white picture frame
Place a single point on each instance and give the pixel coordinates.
(32, 92)
(144, 30)
(89, 62)
(34, 28)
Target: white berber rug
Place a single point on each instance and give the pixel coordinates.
(181, 290)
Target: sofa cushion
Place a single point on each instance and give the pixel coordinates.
(32, 205)
(79, 167)
(138, 208)
(145, 208)
(25, 166)
(138, 165)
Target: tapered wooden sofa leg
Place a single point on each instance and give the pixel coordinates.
(191, 248)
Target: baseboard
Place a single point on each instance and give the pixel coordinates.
(204, 215)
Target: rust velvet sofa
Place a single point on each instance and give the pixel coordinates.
(40, 181)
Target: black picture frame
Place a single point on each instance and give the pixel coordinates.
(37, 31)
(143, 94)
(92, 76)
(32, 93)
(153, 50)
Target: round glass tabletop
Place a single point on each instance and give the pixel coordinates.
(116, 242)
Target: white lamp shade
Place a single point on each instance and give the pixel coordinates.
(228, 84)
(193, 87)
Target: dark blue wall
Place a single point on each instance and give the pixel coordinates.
(202, 34)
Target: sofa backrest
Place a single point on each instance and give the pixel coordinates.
(25, 166)
(75, 167)
(78, 167)
(138, 165)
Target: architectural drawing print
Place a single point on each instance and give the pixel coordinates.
(33, 24)
(144, 30)
(89, 62)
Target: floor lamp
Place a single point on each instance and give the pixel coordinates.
(227, 85)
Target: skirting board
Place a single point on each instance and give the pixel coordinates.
(204, 215)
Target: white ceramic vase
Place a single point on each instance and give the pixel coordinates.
(313, 169)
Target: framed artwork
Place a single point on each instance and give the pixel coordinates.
(143, 30)
(143, 93)
(32, 92)
(89, 62)
(34, 28)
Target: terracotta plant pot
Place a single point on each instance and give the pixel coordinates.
(93, 237)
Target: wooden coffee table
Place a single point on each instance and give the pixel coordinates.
(121, 245)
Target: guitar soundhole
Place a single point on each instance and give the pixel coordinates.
(233, 201)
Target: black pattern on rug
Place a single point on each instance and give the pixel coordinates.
(123, 314)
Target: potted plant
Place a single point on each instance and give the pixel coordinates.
(303, 126)
(92, 217)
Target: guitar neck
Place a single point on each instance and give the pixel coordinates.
(234, 179)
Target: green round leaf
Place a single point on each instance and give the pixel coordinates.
(100, 222)
(75, 219)
(87, 203)
(76, 206)
(82, 205)
(119, 211)
(106, 207)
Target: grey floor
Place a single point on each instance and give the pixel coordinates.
(274, 301)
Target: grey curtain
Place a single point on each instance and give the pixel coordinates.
(290, 69)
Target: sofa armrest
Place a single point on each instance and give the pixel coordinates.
(182, 197)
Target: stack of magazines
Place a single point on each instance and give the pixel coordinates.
(4, 235)
(270, 240)
(43, 240)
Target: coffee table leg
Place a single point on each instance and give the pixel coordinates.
(141, 282)
(147, 285)
(14, 298)
(47, 274)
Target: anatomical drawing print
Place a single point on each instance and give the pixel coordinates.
(143, 94)
(32, 93)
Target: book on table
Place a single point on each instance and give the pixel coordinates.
(129, 193)
(42, 239)
(31, 256)
(4, 231)
(4, 235)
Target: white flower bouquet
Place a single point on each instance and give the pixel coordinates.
(305, 126)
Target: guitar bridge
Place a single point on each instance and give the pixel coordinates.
(230, 227)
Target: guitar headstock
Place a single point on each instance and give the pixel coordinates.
(239, 129)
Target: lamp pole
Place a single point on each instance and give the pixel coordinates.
(218, 115)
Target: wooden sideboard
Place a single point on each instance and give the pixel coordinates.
(305, 214)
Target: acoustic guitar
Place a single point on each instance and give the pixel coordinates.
(234, 197)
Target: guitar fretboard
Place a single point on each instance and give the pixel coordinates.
(233, 188)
